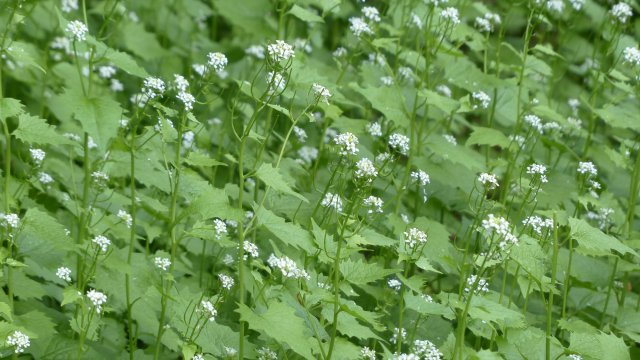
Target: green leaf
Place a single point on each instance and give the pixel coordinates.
(622, 115)
(289, 233)
(360, 272)
(593, 242)
(121, 60)
(487, 136)
(25, 54)
(199, 159)
(5, 311)
(272, 178)
(43, 238)
(386, 100)
(599, 346)
(33, 129)
(304, 14)
(445, 104)
(281, 324)
(10, 107)
(485, 309)
(70, 295)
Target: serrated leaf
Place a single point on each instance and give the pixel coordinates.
(593, 242)
(624, 115)
(281, 324)
(599, 346)
(5, 311)
(360, 272)
(272, 178)
(304, 14)
(487, 136)
(289, 233)
(386, 100)
(199, 159)
(33, 129)
(43, 238)
(10, 107)
(70, 295)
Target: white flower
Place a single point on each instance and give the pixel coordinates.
(386, 80)
(632, 56)
(45, 178)
(399, 143)
(588, 168)
(577, 4)
(64, 273)
(187, 99)
(538, 170)
(228, 260)
(373, 202)
(97, 298)
(11, 219)
(280, 51)
(226, 280)
(153, 87)
(555, 5)
(251, 249)
(359, 26)
(200, 69)
(416, 21)
(126, 217)
(69, 5)
(78, 30)
(103, 242)
(482, 99)
(209, 309)
(488, 180)
(347, 142)
(162, 263)
(574, 357)
(300, 134)
(230, 352)
(535, 122)
(106, 72)
(622, 12)
(420, 177)
(374, 129)
(444, 90)
(217, 61)
(180, 82)
(481, 288)
(414, 237)
(427, 298)
(220, 227)
(483, 25)
(198, 357)
(340, 52)
(37, 155)
(256, 51)
(425, 349)
(450, 139)
(321, 92)
(287, 267)
(450, 14)
(276, 82)
(368, 354)
(100, 177)
(406, 73)
(501, 227)
(332, 200)
(365, 170)
(394, 284)
(538, 223)
(398, 335)
(115, 85)
(371, 13)
(266, 354)
(308, 154)
(19, 340)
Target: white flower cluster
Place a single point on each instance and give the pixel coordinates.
(226, 280)
(488, 22)
(386, 80)
(450, 14)
(574, 357)
(602, 217)
(632, 56)
(501, 227)
(406, 73)
(399, 143)
(450, 139)
(339, 52)
(153, 87)
(321, 92)
(347, 142)
(481, 288)
(367, 353)
(217, 61)
(398, 335)
(266, 354)
(97, 299)
(37, 155)
(287, 267)
(100, 177)
(371, 13)
(107, 71)
(251, 249)
(538, 224)
(64, 273)
(577, 4)
(255, 50)
(426, 350)
(276, 82)
(332, 200)
(374, 129)
(280, 51)
(555, 5)
(77, 30)
(622, 12)
(444, 90)
(538, 170)
(308, 154)
(69, 5)
(365, 170)
(480, 98)
(162, 263)
(394, 284)
(420, 177)
(535, 122)
(126, 217)
(13, 220)
(588, 168)
(198, 357)
(209, 309)
(187, 99)
(373, 202)
(414, 237)
(488, 180)
(19, 340)
(103, 242)
(45, 178)
(359, 26)
(219, 227)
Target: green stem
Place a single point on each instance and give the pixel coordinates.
(132, 239)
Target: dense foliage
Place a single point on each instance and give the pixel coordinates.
(319, 179)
